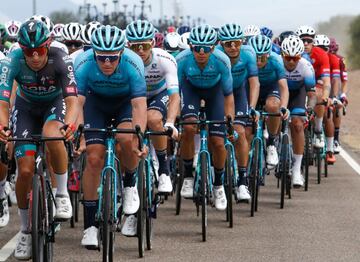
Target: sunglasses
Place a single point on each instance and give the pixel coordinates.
(73, 44)
(307, 40)
(289, 58)
(39, 51)
(232, 43)
(262, 58)
(205, 48)
(107, 58)
(145, 46)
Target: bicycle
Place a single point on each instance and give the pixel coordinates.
(107, 215)
(43, 225)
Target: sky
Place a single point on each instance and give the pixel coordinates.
(277, 14)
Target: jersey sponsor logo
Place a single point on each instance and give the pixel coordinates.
(71, 90)
(6, 93)
(3, 76)
(153, 76)
(41, 90)
(67, 59)
(25, 133)
(154, 65)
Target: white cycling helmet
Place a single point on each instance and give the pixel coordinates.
(72, 32)
(12, 28)
(292, 46)
(88, 30)
(171, 42)
(184, 41)
(305, 30)
(322, 40)
(46, 20)
(251, 30)
(57, 31)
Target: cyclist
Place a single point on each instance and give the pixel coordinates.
(111, 80)
(300, 77)
(274, 92)
(56, 32)
(72, 37)
(323, 42)
(245, 73)
(250, 31)
(269, 33)
(205, 73)
(46, 85)
(171, 43)
(184, 41)
(87, 32)
(333, 48)
(183, 29)
(322, 75)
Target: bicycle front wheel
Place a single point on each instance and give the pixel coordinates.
(203, 193)
(107, 232)
(228, 183)
(253, 176)
(141, 214)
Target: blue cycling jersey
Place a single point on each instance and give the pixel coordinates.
(127, 80)
(273, 71)
(216, 71)
(245, 67)
(302, 76)
(275, 48)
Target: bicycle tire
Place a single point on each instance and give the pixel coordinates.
(141, 217)
(253, 176)
(203, 193)
(326, 165)
(179, 183)
(37, 226)
(229, 186)
(77, 207)
(318, 164)
(72, 201)
(107, 233)
(148, 207)
(283, 168)
(307, 157)
(49, 248)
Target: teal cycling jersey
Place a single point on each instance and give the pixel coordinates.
(273, 71)
(127, 80)
(55, 78)
(245, 67)
(217, 71)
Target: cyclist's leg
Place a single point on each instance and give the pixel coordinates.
(156, 116)
(337, 124)
(319, 112)
(329, 133)
(4, 207)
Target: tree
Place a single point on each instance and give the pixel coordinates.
(354, 55)
(63, 16)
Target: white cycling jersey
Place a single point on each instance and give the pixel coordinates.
(302, 75)
(161, 73)
(2, 55)
(53, 44)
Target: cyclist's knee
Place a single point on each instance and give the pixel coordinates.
(94, 160)
(154, 120)
(241, 133)
(297, 125)
(189, 131)
(272, 104)
(217, 144)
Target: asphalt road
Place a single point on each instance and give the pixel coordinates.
(322, 224)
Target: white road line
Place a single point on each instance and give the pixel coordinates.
(350, 161)
(8, 249)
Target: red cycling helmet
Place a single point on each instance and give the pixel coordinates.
(159, 40)
(171, 29)
(334, 46)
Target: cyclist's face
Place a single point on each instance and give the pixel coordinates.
(108, 61)
(262, 60)
(290, 63)
(37, 60)
(308, 44)
(142, 48)
(232, 48)
(202, 57)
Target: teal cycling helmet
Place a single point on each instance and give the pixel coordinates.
(230, 32)
(33, 34)
(203, 35)
(261, 44)
(140, 30)
(108, 38)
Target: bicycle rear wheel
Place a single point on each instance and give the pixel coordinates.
(107, 232)
(149, 205)
(73, 199)
(318, 164)
(284, 169)
(50, 239)
(307, 157)
(141, 214)
(203, 193)
(253, 176)
(37, 220)
(228, 184)
(179, 183)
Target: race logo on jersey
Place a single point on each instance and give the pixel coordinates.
(67, 59)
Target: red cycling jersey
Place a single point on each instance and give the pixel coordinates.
(321, 62)
(343, 71)
(334, 66)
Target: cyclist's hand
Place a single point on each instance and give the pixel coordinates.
(175, 132)
(68, 131)
(82, 147)
(144, 151)
(285, 113)
(4, 133)
(254, 114)
(328, 101)
(337, 103)
(309, 111)
(344, 99)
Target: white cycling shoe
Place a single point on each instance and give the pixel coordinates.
(130, 226)
(272, 158)
(131, 200)
(165, 185)
(90, 238)
(63, 207)
(187, 189)
(23, 247)
(220, 198)
(242, 193)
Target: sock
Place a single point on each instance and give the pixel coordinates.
(129, 179)
(162, 158)
(330, 144)
(242, 176)
(219, 177)
(90, 208)
(54, 189)
(24, 219)
(297, 162)
(61, 180)
(271, 140)
(336, 135)
(2, 188)
(188, 166)
(318, 124)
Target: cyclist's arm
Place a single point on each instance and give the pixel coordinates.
(284, 92)
(254, 90)
(310, 83)
(13, 94)
(4, 113)
(172, 85)
(326, 87)
(229, 106)
(139, 109)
